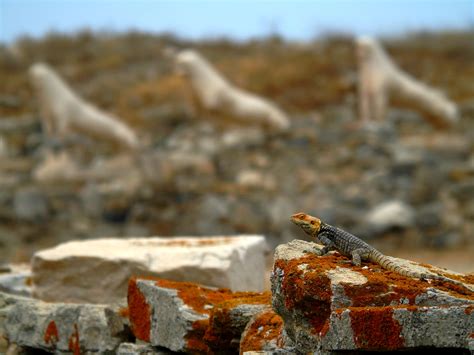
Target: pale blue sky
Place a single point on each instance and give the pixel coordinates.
(196, 19)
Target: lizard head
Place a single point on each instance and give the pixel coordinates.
(311, 225)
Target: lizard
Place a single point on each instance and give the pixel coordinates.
(349, 245)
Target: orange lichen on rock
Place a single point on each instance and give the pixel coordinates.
(383, 288)
(469, 309)
(51, 334)
(203, 300)
(223, 328)
(195, 338)
(375, 328)
(307, 288)
(240, 298)
(139, 311)
(199, 298)
(74, 344)
(450, 287)
(266, 327)
(124, 312)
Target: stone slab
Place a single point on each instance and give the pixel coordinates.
(319, 296)
(187, 317)
(16, 280)
(97, 271)
(60, 327)
(141, 349)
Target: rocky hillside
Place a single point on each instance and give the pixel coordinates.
(240, 179)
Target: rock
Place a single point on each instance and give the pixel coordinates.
(463, 191)
(141, 349)
(60, 327)
(264, 332)
(253, 179)
(429, 217)
(16, 280)
(116, 209)
(278, 212)
(97, 271)
(446, 146)
(388, 215)
(329, 305)
(445, 241)
(242, 138)
(184, 170)
(405, 161)
(30, 205)
(401, 116)
(228, 320)
(211, 210)
(19, 124)
(91, 200)
(394, 328)
(3, 148)
(58, 168)
(10, 101)
(176, 315)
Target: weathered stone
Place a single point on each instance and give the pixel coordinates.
(60, 327)
(30, 204)
(463, 191)
(97, 271)
(10, 101)
(253, 179)
(274, 352)
(264, 332)
(141, 349)
(167, 168)
(176, 315)
(242, 138)
(16, 280)
(402, 327)
(58, 168)
(228, 320)
(328, 304)
(91, 199)
(392, 214)
(211, 210)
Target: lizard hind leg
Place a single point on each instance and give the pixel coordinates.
(358, 255)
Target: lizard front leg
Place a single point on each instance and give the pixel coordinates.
(328, 244)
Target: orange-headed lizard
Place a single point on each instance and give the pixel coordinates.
(349, 245)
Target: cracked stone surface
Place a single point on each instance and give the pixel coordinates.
(329, 305)
(60, 327)
(187, 317)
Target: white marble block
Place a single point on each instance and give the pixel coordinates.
(97, 271)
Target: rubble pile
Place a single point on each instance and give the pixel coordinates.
(317, 304)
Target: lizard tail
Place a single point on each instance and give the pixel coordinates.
(389, 264)
(447, 279)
